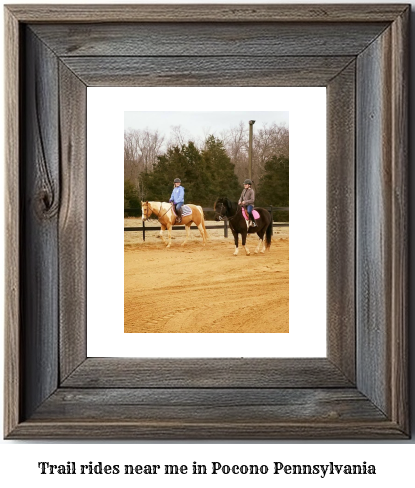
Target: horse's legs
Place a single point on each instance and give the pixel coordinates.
(201, 225)
(187, 233)
(264, 245)
(244, 234)
(163, 228)
(202, 232)
(236, 238)
(169, 235)
(260, 241)
(259, 245)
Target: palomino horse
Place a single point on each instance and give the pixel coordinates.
(237, 223)
(167, 218)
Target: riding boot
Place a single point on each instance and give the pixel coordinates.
(253, 223)
(179, 216)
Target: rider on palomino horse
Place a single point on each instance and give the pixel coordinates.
(177, 199)
(247, 199)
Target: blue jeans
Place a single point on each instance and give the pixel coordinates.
(249, 208)
(179, 205)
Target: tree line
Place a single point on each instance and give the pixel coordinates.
(214, 167)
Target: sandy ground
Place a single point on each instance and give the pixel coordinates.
(204, 289)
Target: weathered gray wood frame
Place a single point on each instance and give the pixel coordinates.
(359, 52)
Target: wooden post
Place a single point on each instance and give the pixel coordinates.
(251, 127)
(144, 231)
(225, 229)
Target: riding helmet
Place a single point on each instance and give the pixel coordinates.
(247, 182)
(177, 180)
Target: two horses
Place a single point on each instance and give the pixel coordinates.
(225, 208)
(167, 218)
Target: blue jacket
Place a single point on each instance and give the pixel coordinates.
(177, 195)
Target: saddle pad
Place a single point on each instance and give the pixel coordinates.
(254, 213)
(186, 210)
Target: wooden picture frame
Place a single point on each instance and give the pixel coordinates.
(360, 53)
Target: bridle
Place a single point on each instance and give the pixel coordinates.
(147, 215)
(220, 212)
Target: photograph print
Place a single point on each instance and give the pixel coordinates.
(206, 222)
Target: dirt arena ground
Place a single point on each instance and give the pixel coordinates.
(204, 289)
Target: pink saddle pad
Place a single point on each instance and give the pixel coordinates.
(245, 214)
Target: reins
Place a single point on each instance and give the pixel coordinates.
(171, 206)
(158, 216)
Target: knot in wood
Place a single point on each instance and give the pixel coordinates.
(46, 204)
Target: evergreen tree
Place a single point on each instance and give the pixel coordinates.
(273, 186)
(222, 179)
(131, 198)
(205, 174)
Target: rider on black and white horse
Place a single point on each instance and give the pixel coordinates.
(247, 199)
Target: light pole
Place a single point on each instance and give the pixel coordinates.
(251, 130)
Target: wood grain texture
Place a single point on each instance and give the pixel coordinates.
(188, 430)
(206, 71)
(373, 221)
(201, 39)
(53, 392)
(206, 373)
(72, 222)
(400, 233)
(40, 203)
(209, 405)
(207, 13)
(382, 223)
(13, 383)
(341, 310)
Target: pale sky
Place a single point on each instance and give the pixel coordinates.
(197, 125)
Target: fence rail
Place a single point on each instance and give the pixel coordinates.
(225, 225)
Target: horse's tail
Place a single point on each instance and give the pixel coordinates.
(203, 222)
(268, 234)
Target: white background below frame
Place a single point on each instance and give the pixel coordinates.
(105, 236)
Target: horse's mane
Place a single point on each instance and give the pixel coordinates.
(226, 201)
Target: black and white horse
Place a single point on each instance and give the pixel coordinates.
(225, 208)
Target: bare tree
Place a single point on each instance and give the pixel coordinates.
(149, 145)
(236, 144)
(268, 141)
(141, 148)
(178, 136)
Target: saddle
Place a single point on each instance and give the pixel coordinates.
(255, 214)
(186, 210)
